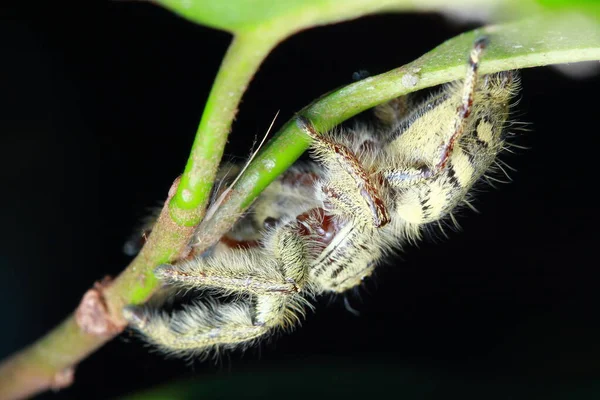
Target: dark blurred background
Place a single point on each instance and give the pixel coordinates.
(99, 109)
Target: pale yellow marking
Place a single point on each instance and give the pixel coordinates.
(485, 132)
(463, 168)
(437, 199)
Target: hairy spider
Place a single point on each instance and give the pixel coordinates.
(325, 226)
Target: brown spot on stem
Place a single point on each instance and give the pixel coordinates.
(92, 314)
(173, 188)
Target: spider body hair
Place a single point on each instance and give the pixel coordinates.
(323, 227)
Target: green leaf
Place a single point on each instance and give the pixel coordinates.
(544, 40)
(590, 7)
(292, 15)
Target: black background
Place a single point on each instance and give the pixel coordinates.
(99, 110)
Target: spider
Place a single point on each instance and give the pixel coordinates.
(323, 227)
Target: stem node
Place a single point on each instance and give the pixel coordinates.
(93, 316)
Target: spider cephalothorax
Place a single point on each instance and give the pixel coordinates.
(325, 226)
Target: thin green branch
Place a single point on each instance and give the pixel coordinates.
(49, 362)
(545, 40)
(245, 54)
(258, 27)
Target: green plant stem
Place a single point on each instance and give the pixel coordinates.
(49, 362)
(546, 40)
(244, 56)
(254, 38)
(38, 367)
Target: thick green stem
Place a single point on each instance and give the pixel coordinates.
(244, 56)
(545, 40)
(49, 363)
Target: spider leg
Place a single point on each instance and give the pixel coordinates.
(465, 127)
(279, 268)
(464, 109)
(410, 176)
(271, 280)
(201, 326)
(364, 202)
(198, 327)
